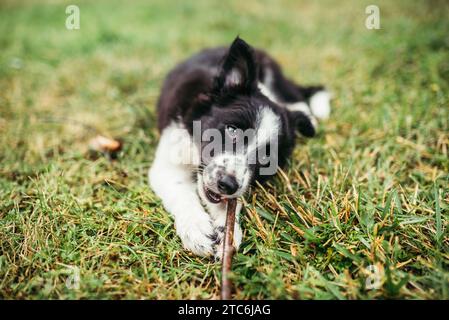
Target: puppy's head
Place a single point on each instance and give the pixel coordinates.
(244, 135)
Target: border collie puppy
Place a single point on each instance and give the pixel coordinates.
(239, 97)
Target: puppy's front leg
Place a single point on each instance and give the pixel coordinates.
(173, 183)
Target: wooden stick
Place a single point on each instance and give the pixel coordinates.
(228, 250)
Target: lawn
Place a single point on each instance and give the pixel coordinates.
(361, 212)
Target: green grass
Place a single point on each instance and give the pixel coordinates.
(371, 190)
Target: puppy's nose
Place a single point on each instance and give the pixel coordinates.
(227, 184)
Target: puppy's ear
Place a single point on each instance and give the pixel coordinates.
(238, 71)
(303, 123)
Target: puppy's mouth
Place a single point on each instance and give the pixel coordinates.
(212, 196)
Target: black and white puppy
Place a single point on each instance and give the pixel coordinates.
(224, 94)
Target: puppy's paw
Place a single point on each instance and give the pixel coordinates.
(197, 234)
(218, 255)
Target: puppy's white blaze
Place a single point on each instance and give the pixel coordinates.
(320, 104)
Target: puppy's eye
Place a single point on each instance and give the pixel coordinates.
(231, 131)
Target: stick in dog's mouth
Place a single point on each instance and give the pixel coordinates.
(228, 250)
(214, 197)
